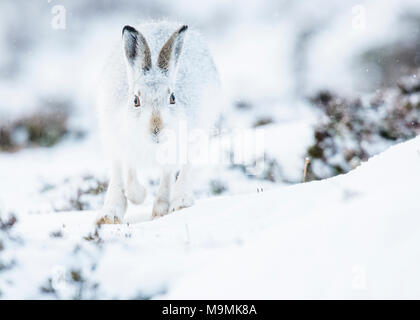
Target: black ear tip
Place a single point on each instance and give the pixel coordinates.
(183, 28)
(129, 29)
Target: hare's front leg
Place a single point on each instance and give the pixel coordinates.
(163, 196)
(182, 194)
(115, 201)
(134, 191)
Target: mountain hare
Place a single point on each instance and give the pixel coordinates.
(163, 77)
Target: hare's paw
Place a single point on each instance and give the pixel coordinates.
(160, 208)
(180, 202)
(108, 220)
(109, 217)
(136, 193)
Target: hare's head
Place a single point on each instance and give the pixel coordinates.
(151, 83)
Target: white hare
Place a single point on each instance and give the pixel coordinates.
(163, 76)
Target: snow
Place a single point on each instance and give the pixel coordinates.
(351, 236)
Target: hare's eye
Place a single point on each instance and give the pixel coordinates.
(172, 98)
(136, 101)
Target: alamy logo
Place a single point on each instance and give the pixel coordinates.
(194, 146)
(359, 17)
(359, 277)
(58, 20)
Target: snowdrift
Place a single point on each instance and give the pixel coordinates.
(351, 236)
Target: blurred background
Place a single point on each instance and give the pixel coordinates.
(335, 82)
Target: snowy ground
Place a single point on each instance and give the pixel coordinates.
(352, 236)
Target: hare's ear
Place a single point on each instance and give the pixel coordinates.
(136, 48)
(171, 50)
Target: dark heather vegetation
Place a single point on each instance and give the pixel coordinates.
(352, 130)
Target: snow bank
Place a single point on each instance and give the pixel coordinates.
(352, 236)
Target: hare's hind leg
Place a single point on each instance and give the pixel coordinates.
(182, 193)
(163, 196)
(134, 191)
(115, 201)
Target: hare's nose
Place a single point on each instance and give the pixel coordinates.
(155, 124)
